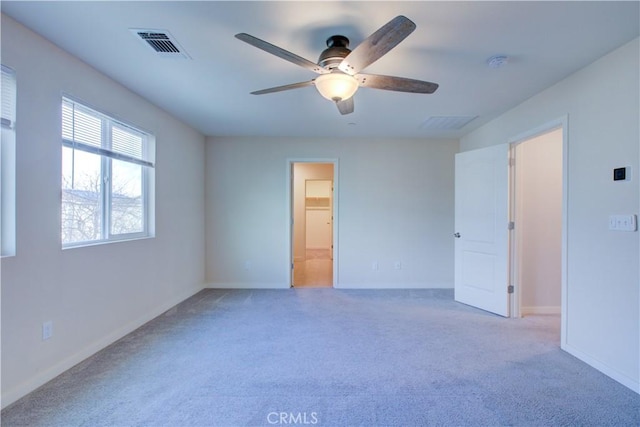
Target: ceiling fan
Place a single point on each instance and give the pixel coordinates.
(339, 68)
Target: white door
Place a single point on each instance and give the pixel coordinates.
(319, 214)
(318, 233)
(481, 228)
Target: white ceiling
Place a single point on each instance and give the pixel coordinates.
(545, 42)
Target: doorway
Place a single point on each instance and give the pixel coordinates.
(312, 226)
(536, 201)
(491, 269)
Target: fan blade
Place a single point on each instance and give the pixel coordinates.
(398, 84)
(345, 106)
(377, 44)
(281, 88)
(279, 52)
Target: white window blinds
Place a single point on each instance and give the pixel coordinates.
(8, 95)
(91, 131)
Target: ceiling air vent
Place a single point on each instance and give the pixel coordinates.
(447, 122)
(161, 41)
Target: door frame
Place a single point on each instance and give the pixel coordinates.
(290, 207)
(559, 123)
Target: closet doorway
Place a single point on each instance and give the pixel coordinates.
(312, 230)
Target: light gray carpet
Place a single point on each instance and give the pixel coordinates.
(331, 357)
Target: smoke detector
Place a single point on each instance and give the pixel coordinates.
(497, 61)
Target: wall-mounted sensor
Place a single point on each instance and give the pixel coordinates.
(621, 174)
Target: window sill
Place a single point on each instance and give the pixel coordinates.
(105, 242)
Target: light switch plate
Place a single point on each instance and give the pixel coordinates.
(623, 222)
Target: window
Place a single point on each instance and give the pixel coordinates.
(8, 164)
(107, 177)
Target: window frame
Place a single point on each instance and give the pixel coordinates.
(8, 146)
(106, 157)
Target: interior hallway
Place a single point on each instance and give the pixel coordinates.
(316, 271)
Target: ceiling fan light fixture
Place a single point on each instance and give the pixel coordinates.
(339, 67)
(336, 86)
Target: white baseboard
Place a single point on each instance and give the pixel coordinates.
(280, 285)
(47, 375)
(540, 310)
(393, 285)
(247, 285)
(633, 384)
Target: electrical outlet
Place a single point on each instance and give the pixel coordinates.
(247, 265)
(47, 330)
(374, 265)
(397, 265)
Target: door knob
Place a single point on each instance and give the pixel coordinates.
(456, 235)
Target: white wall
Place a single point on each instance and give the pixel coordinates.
(394, 201)
(93, 295)
(603, 107)
(538, 217)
